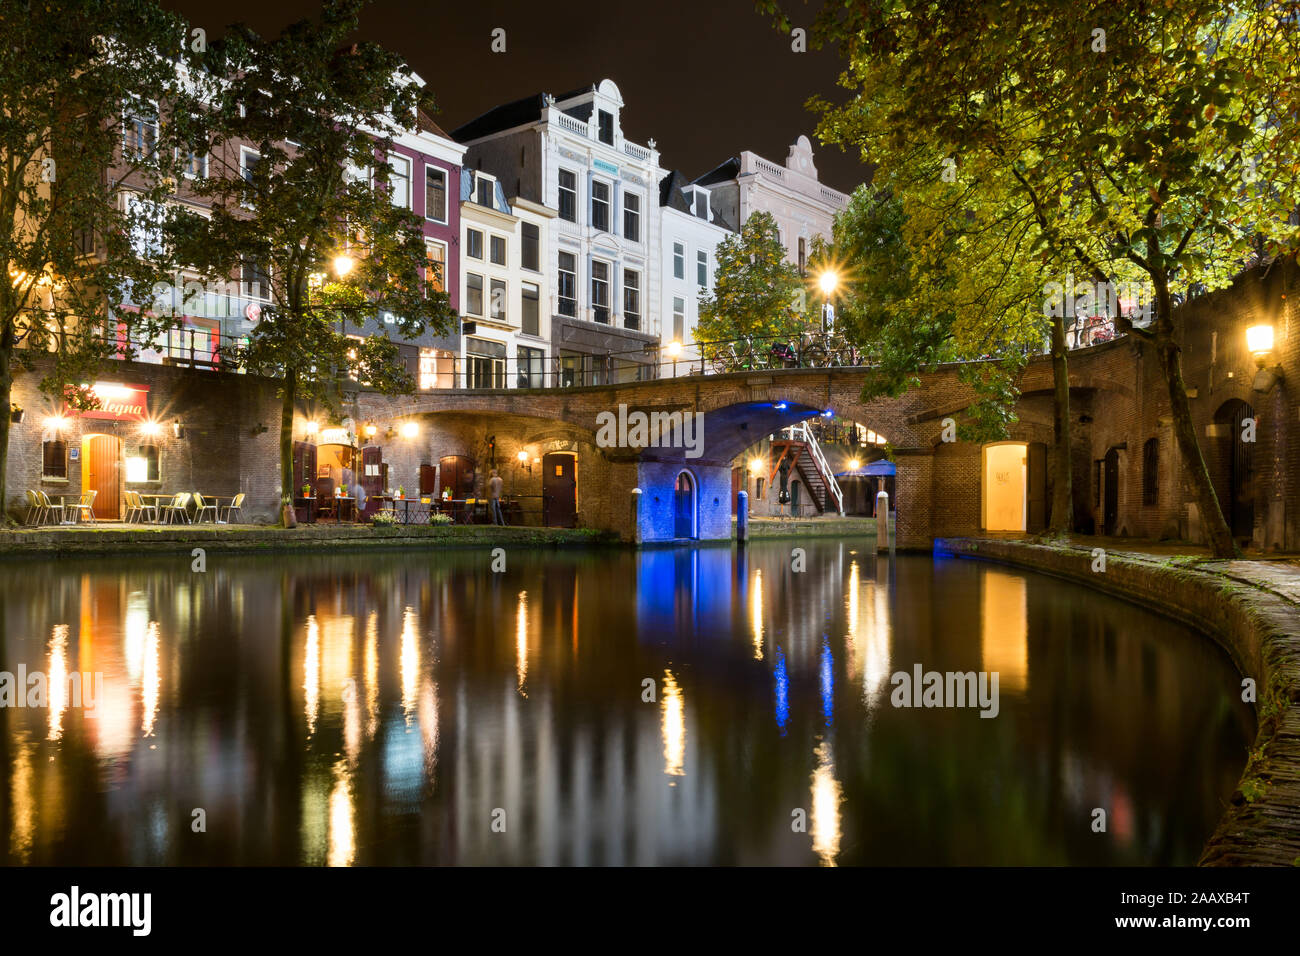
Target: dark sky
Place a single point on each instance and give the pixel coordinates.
(705, 78)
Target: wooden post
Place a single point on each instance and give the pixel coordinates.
(742, 516)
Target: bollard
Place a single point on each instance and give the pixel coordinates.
(636, 516)
(882, 521)
(742, 516)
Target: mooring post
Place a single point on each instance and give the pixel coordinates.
(742, 516)
(882, 521)
(636, 516)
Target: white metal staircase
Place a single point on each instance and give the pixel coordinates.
(812, 466)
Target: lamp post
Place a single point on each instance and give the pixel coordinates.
(674, 350)
(828, 281)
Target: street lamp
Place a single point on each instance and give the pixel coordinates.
(343, 264)
(410, 430)
(828, 281)
(674, 350)
(1259, 341)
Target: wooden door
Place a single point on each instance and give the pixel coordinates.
(1110, 514)
(457, 474)
(559, 490)
(684, 507)
(101, 472)
(1037, 491)
(1241, 504)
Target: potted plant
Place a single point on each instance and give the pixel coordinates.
(306, 490)
(401, 491)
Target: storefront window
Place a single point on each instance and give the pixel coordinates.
(55, 459)
(142, 464)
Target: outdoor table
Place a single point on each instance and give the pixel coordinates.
(340, 500)
(158, 501)
(64, 500)
(406, 508)
(217, 500)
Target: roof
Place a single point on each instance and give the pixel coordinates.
(671, 195)
(721, 173)
(519, 112)
(427, 125)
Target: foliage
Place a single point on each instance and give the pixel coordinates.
(756, 291)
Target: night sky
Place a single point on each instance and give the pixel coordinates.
(706, 79)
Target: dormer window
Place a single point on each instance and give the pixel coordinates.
(605, 127)
(702, 205)
(484, 187)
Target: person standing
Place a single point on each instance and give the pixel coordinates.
(494, 497)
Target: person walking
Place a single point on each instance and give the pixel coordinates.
(494, 497)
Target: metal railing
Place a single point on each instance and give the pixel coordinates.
(801, 432)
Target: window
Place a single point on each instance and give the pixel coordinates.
(485, 364)
(497, 246)
(567, 284)
(1151, 472)
(600, 205)
(474, 244)
(803, 257)
(600, 291)
(195, 165)
(141, 132)
(473, 294)
(531, 252)
(679, 319)
(702, 205)
(571, 369)
(54, 458)
(399, 181)
(605, 127)
(702, 269)
(248, 160)
(436, 269)
(145, 222)
(435, 194)
(631, 299)
(484, 190)
(531, 364)
(498, 303)
(255, 279)
(679, 260)
(437, 369)
(632, 217)
(568, 196)
(143, 465)
(530, 321)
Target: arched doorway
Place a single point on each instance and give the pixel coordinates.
(1237, 467)
(1004, 500)
(684, 506)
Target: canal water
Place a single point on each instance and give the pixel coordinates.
(601, 707)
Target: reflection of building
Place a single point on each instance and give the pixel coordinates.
(568, 153)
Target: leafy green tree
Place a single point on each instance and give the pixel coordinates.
(81, 82)
(321, 113)
(756, 293)
(1150, 142)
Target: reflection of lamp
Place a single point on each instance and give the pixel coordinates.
(1259, 340)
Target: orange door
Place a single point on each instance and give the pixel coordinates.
(101, 471)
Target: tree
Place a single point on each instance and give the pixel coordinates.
(82, 82)
(321, 115)
(1155, 142)
(755, 295)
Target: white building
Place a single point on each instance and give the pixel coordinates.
(504, 293)
(568, 154)
(802, 206)
(691, 229)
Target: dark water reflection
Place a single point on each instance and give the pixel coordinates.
(363, 709)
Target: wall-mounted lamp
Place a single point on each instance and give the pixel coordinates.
(756, 466)
(259, 429)
(1259, 341)
(57, 422)
(854, 464)
(410, 429)
(311, 427)
(150, 429)
(522, 458)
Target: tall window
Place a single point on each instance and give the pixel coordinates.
(600, 290)
(485, 363)
(803, 256)
(473, 294)
(631, 299)
(531, 364)
(605, 127)
(679, 319)
(474, 244)
(702, 269)
(248, 160)
(143, 465)
(54, 458)
(435, 193)
(531, 252)
(195, 165)
(702, 205)
(498, 303)
(600, 205)
(679, 260)
(436, 270)
(1151, 472)
(498, 249)
(255, 278)
(632, 216)
(399, 181)
(567, 284)
(485, 190)
(530, 321)
(568, 196)
(141, 132)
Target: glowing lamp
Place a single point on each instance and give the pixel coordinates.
(56, 422)
(756, 465)
(311, 428)
(674, 349)
(854, 464)
(410, 430)
(827, 281)
(343, 265)
(371, 431)
(150, 428)
(1259, 340)
(522, 456)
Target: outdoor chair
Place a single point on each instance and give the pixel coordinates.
(177, 508)
(236, 505)
(85, 507)
(35, 510)
(51, 509)
(132, 506)
(148, 511)
(201, 508)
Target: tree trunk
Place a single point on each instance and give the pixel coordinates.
(1062, 519)
(6, 390)
(1212, 520)
(288, 394)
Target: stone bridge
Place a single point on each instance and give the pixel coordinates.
(937, 484)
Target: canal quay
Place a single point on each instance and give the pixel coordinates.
(471, 441)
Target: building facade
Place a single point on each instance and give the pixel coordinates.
(568, 154)
(802, 206)
(692, 226)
